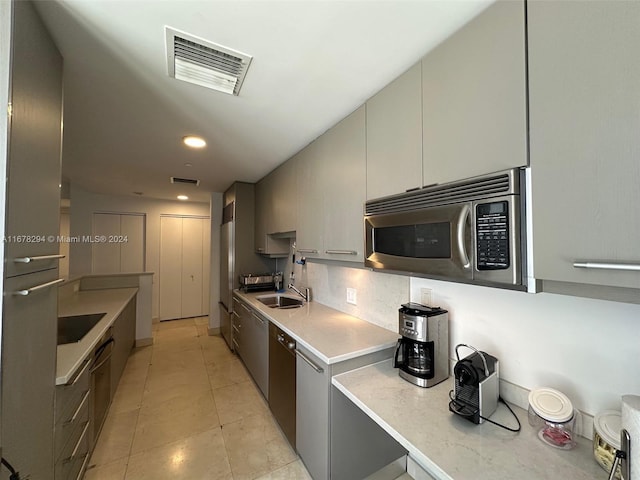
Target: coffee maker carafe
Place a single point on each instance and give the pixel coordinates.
(422, 354)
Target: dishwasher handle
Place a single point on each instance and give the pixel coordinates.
(97, 362)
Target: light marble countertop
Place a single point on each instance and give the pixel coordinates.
(450, 447)
(109, 301)
(330, 335)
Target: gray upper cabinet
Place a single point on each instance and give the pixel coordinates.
(585, 147)
(309, 233)
(33, 186)
(274, 212)
(394, 136)
(342, 152)
(331, 192)
(284, 208)
(474, 97)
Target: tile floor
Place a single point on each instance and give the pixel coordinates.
(186, 408)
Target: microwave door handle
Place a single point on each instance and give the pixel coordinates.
(460, 234)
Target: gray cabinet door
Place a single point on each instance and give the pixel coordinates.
(124, 330)
(262, 192)
(310, 188)
(584, 103)
(342, 153)
(474, 97)
(257, 336)
(284, 208)
(268, 216)
(28, 374)
(394, 136)
(35, 132)
(312, 413)
(254, 345)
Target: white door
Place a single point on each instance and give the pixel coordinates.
(206, 265)
(192, 267)
(170, 276)
(184, 267)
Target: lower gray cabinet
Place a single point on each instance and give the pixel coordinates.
(29, 373)
(124, 334)
(251, 340)
(71, 446)
(314, 414)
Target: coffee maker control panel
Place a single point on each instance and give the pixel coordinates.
(416, 320)
(408, 329)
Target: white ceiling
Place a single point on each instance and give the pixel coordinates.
(314, 61)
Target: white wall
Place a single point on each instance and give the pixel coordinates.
(588, 349)
(84, 204)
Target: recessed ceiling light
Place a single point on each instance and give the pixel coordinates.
(188, 165)
(183, 197)
(193, 141)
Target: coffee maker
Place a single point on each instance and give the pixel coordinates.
(476, 387)
(422, 354)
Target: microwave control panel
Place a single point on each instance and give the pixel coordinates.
(492, 236)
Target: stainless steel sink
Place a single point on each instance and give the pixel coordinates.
(73, 328)
(280, 301)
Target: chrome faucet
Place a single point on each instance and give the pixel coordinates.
(306, 295)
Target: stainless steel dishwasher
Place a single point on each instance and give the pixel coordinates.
(282, 381)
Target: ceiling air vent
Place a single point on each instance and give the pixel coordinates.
(194, 60)
(188, 181)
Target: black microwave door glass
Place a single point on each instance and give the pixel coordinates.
(426, 240)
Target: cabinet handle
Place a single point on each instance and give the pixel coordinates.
(307, 250)
(608, 266)
(260, 249)
(341, 252)
(258, 318)
(235, 314)
(38, 258)
(309, 361)
(244, 306)
(84, 464)
(77, 447)
(74, 380)
(77, 412)
(28, 291)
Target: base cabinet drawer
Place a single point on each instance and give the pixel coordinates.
(74, 455)
(67, 426)
(69, 395)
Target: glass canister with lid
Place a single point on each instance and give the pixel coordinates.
(553, 414)
(606, 438)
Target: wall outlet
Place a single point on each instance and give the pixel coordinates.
(352, 296)
(426, 296)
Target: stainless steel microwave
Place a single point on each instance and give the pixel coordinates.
(469, 231)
